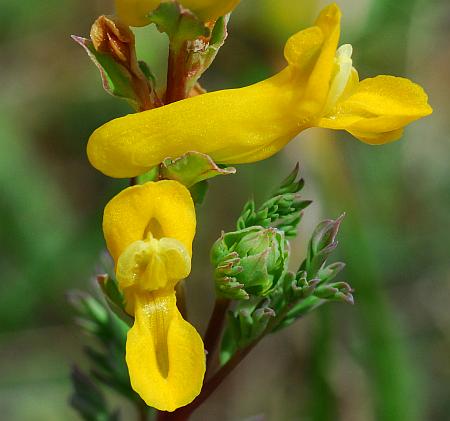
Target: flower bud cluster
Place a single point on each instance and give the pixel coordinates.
(249, 262)
(251, 267)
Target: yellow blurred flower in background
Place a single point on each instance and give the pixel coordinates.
(135, 12)
(149, 230)
(318, 88)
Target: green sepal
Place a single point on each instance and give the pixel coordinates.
(116, 79)
(192, 168)
(178, 23)
(150, 175)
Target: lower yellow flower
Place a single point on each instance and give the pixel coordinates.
(318, 88)
(135, 12)
(149, 231)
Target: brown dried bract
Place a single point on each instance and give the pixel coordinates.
(112, 37)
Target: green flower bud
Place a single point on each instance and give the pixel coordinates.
(339, 291)
(323, 242)
(328, 273)
(249, 262)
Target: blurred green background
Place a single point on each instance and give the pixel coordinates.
(386, 358)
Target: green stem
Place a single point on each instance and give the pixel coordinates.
(320, 367)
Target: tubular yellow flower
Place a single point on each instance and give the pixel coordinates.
(149, 231)
(318, 88)
(134, 12)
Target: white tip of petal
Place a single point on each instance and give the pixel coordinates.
(343, 63)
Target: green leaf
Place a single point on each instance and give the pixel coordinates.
(246, 323)
(202, 58)
(191, 168)
(283, 210)
(114, 297)
(115, 77)
(219, 33)
(147, 73)
(108, 358)
(310, 287)
(88, 400)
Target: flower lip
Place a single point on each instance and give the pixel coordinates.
(153, 264)
(149, 230)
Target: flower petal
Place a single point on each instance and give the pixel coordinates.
(302, 48)
(153, 264)
(164, 208)
(134, 12)
(232, 126)
(318, 85)
(378, 109)
(210, 10)
(164, 353)
(378, 138)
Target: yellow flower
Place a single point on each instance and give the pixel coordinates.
(135, 12)
(149, 231)
(318, 88)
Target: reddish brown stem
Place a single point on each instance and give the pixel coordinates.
(183, 414)
(176, 74)
(214, 332)
(143, 91)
